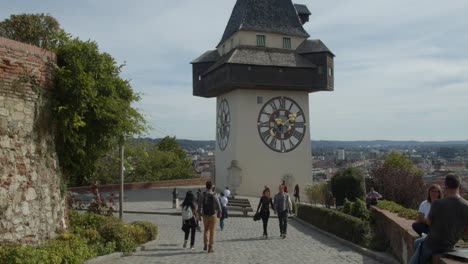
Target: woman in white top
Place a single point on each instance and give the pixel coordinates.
(223, 201)
(433, 193)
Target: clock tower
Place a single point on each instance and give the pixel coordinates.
(261, 73)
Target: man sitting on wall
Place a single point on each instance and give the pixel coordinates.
(447, 220)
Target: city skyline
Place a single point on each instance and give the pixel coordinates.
(400, 67)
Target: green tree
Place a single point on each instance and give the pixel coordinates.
(170, 144)
(317, 193)
(348, 183)
(40, 30)
(146, 161)
(92, 107)
(398, 180)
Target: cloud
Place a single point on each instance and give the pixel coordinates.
(400, 66)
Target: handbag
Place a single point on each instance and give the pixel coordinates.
(256, 217)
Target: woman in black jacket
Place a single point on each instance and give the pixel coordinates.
(264, 209)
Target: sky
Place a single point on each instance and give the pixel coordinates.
(401, 67)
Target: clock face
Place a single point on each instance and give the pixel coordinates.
(281, 124)
(223, 124)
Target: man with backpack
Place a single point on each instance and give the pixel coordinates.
(209, 207)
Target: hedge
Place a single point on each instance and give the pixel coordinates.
(342, 225)
(393, 207)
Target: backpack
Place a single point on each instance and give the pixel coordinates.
(209, 204)
(187, 213)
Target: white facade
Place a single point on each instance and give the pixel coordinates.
(256, 165)
(341, 154)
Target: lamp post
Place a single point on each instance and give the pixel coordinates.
(121, 193)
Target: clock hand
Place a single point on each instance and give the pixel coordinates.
(272, 133)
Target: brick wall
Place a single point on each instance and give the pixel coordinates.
(31, 204)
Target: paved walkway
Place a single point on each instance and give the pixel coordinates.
(240, 242)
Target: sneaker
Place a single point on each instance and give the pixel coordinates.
(284, 236)
(191, 247)
(210, 250)
(205, 247)
(185, 244)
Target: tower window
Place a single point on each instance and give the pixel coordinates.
(261, 40)
(286, 43)
(259, 100)
(320, 70)
(330, 71)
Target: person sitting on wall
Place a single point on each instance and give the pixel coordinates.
(448, 220)
(372, 197)
(421, 225)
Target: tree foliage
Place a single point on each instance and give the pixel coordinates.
(92, 107)
(348, 183)
(145, 161)
(317, 193)
(40, 30)
(398, 180)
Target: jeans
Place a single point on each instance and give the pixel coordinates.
(422, 254)
(192, 232)
(209, 222)
(221, 223)
(283, 221)
(265, 216)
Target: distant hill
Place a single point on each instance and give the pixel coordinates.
(384, 143)
(210, 144)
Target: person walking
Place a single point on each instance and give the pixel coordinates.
(263, 209)
(448, 218)
(189, 219)
(297, 197)
(282, 206)
(227, 192)
(209, 207)
(223, 201)
(284, 186)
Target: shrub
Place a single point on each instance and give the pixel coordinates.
(115, 230)
(150, 229)
(348, 183)
(317, 193)
(85, 220)
(398, 209)
(67, 248)
(347, 206)
(359, 210)
(345, 226)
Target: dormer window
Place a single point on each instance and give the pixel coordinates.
(286, 43)
(261, 40)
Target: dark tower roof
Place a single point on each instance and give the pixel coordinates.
(270, 16)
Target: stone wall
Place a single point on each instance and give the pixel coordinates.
(32, 206)
(400, 236)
